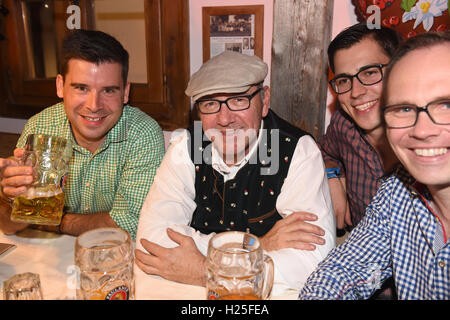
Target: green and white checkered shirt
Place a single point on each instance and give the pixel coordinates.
(118, 176)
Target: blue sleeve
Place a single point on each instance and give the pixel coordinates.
(358, 267)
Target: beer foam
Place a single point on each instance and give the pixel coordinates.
(38, 192)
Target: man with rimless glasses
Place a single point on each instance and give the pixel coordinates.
(242, 168)
(405, 232)
(355, 148)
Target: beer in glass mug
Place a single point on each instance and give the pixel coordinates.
(43, 201)
(105, 259)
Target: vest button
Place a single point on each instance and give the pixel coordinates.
(233, 205)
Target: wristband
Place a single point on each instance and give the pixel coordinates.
(332, 173)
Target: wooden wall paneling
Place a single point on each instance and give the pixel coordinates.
(301, 34)
(176, 63)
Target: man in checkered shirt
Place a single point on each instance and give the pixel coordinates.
(405, 230)
(116, 148)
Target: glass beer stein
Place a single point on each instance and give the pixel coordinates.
(237, 268)
(23, 286)
(104, 257)
(43, 201)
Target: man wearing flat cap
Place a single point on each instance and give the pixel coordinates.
(242, 168)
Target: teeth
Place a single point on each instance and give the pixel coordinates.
(365, 106)
(430, 152)
(92, 119)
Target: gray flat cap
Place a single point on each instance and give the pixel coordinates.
(228, 72)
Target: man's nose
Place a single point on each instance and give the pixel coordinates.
(225, 115)
(93, 101)
(358, 88)
(425, 127)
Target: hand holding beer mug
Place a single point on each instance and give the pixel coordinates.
(43, 201)
(237, 268)
(105, 259)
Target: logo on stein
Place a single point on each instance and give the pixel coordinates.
(119, 293)
(63, 182)
(212, 295)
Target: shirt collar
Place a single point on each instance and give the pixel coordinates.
(119, 132)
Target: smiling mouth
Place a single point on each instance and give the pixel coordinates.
(366, 105)
(92, 119)
(431, 152)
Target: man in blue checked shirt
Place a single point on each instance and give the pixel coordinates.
(407, 224)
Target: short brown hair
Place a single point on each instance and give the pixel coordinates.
(388, 39)
(96, 47)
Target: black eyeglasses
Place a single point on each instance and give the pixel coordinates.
(405, 115)
(235, 103)
(367, 75)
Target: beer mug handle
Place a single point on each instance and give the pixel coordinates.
(268, 277)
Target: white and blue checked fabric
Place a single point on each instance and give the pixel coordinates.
(399, 236)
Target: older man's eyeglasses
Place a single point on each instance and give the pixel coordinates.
(405, 115)
(367, 75)
(234, 103)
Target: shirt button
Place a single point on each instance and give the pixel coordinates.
(88, 184)
(86, 208)
(441, 264)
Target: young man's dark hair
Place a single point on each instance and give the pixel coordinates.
(387, 38)
(96, 47)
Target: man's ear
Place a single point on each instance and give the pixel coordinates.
(126, 93)
(60, 86)
(266, 101)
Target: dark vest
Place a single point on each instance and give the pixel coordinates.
(247, 202)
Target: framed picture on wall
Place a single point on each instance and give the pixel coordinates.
(235, 28)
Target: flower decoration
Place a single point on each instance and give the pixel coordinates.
(423, 11)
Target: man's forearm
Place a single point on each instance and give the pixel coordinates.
(75, 223)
